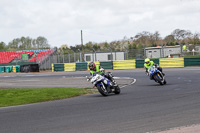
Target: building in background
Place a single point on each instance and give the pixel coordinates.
(163, 52)
(104, 56)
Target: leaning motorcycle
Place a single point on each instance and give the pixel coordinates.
(102, 83)
(157, 75)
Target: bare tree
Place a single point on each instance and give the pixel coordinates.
(169, 40)
(179, 35)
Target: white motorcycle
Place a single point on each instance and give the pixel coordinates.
(103, 84)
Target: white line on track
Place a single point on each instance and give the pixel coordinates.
(134, 80)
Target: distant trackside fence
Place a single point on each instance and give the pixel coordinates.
(128, 64)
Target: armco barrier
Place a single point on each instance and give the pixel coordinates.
(70, 67)
(106, 64)
(127, 64)
(52, 67)
(81, 66)
(192, 61)
(139, 63)
(172, 62)
(59, 67)
(124, 64)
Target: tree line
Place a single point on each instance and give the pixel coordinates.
(139, 41)
(25, 43)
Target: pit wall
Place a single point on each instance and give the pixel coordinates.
(128, 64)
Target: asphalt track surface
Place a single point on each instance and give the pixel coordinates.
(141, 107)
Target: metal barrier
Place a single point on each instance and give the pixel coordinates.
(124, 64)
(128, 64)
(172, 62)
(81, 66)
(58, 67)
(106, 64)
(192, 61)
(70, 66)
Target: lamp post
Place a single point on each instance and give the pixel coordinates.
(126, 52)
(63, 57)
(95, 54)
(111, 53)
(80, 55)
(74, 55)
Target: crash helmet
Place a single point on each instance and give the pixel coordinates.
(92, 66)
(147, 61)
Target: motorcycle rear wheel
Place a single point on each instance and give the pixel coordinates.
(103, 91)
(117, 90)
(165, 82)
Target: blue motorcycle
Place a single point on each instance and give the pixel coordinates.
(102, 84)
(155, 74)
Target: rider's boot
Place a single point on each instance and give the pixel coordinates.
(151, 77)
(113, 82)
(163, 74)
(109, 88)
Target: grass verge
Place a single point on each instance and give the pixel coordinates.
(12, 97)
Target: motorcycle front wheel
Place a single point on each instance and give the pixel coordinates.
(158, 79)
(102, 90)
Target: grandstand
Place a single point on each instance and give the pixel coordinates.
(33, 55)
(42, 55)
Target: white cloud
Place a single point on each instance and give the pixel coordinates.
(61, 21)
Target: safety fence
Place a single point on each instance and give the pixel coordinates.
(19, 68)
(113, 65)
(16, 67)
(125, 64)
(172, 62)
(129, 64)
(192, 61)
(9, 69)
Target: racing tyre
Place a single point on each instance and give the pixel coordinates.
(165, 82)
(103, 91)
(117, 90)
(158, 79)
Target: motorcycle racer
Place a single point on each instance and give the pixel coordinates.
(95, 68)
(98, 69)
(149, 63)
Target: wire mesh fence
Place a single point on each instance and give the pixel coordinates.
(111, 55)
(45, 61)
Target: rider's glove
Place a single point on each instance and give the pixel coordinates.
(88, 78)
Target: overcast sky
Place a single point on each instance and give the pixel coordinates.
(61, 21)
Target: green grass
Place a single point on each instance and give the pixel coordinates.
(12, 97)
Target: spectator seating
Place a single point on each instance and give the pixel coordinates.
(9, 56)
(42, 55)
